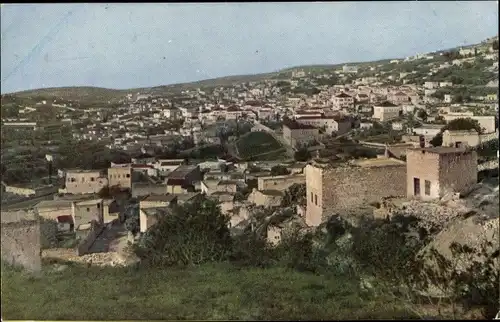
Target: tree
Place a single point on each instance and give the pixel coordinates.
(191, 234)
(463, 124)
(422, 114)
(132, 223)
(279, 170)
(294, 195)
(437, 140)
(302, 154)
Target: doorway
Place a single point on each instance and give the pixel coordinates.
(416, 186)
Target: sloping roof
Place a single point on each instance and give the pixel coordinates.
(54, 204)
(386, 104)
(343, 95)
(181, 172)
(164, 198)
(294, 125)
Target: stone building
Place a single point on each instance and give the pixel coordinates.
(337, 189)
(398, 97)
(279, 182)
(120, 176)
(386, 111)
(342, 101)
(183, 179)
(435, 172)
(84, 181)
(454, 138)
(331, 124)
(297, 134)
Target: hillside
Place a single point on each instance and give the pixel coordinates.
(103, 95)
(207, 292)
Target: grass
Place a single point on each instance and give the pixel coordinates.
(207, 292)
(256, 143)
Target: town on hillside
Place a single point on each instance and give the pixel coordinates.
(86, 177)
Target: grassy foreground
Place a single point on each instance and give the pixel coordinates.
(208, 292)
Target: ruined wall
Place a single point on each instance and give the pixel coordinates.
(354, 187)
(21, 240)
(89, 239)
(458, 171)
(279, 182)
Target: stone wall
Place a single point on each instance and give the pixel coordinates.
(458, 172)
(144, 189)
(21, 240)
(279, 182)
(353, 187)
(440, 173)
(336, 190)
(87, 242)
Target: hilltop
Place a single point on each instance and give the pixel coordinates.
(100, 95)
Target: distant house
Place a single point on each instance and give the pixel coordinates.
(165, 166)
(398, 98)
(350, 69)
(120, 176)
(431, 85)
(461, 138)
(386, 111)
(428, 179)
(84, 181)
(342, 100)
(297, 134)
(183, 179)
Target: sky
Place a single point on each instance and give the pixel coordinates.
(131, 45)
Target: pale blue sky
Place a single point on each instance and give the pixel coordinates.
(140, 45)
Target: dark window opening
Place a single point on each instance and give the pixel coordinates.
(427, 188)
(416, 186)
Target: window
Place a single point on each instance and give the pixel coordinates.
(312, 197)
(98, 206)
(427, 188)
(88, 209)
(128, 175)
(73, 179)
(316, 200)
(92, 179)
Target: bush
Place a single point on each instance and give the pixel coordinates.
(48, 233)
(192, 234)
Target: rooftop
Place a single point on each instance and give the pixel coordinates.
(343, 95)
(386, 104)
(89, 202)
(294, 125)
(155, 211)
(441, 150)
(82, 171)
(54, 204)
(276, 193)
(160, 198)
(379, 162)
(181, 171)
